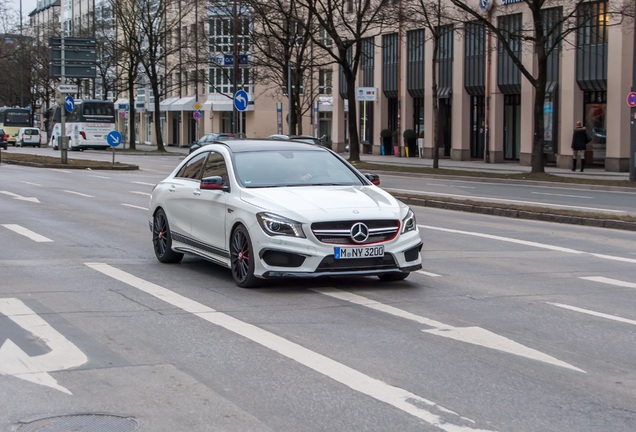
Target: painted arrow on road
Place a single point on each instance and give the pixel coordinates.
(20, 197)
(15, 362)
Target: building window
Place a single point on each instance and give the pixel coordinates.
(325, 81)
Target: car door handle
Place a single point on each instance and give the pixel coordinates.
(196, 192)
(172, 188)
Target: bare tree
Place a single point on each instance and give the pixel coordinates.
(152, 42)
(284, 51)
(545, 33)
(347, 23)
(433, 16)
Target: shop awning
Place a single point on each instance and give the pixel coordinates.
(183, 104)
(164, 105)
(121, 103)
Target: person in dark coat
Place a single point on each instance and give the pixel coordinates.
(580, 139)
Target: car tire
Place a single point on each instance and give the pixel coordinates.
(242, 259)
(393, 277)
(162, 239)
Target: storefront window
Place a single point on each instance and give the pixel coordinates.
(595, 123)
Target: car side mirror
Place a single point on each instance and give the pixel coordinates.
(373, 178)
(213, 183)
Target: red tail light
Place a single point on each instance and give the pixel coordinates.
(83, 134)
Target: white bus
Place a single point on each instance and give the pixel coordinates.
(87, 126)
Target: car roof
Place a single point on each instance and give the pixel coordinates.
(249, 145)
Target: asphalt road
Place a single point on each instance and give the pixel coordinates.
(512, 325)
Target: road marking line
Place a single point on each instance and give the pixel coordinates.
(134, 206)
(562, 195)
(140, 193)
(609, 281)
(394, 396)
(593, 313)
(528, 243)
(27, 233)
(486, 199)
(505, 239)
(144, 184)
(79, 193)
(15, 362)
(472, 335)
(425, 273)
(29, 183)
(101, 177)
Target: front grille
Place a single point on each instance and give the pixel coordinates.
(330, 264)
(339, 232)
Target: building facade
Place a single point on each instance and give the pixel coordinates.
(398, 66)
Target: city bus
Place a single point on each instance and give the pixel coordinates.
(12, 119)
(87, 126)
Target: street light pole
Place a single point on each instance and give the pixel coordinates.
(632, 152)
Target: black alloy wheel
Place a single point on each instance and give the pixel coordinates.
(242, 259)
(162, 239)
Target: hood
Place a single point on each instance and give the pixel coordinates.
(325, 203)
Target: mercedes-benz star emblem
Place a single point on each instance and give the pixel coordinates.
(359, 232)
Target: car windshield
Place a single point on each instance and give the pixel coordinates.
(292, 168)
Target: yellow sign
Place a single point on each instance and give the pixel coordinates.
(197, 106)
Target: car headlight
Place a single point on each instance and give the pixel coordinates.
(409, 223)
(275, 225)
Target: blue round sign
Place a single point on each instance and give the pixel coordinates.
(631, 99)
(113, 138)
(69, 103)
(241, 99)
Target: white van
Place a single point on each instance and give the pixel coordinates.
(28, 136)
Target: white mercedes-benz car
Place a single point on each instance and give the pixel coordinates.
(279, 209)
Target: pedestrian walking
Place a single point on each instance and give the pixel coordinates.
(580, 139)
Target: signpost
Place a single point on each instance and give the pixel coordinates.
(113, 139)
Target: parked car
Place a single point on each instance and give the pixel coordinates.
(28, 136)
(210, 138)
(4, 139)
(271, 209)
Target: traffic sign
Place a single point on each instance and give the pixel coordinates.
(196, 115)
(69, 103)
(67, 88)
(113, 138)
(241, 99)
(196, 106)
(631, 99)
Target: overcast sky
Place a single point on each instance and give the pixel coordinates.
(27, 6)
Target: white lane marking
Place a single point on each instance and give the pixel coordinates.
(29, 183)
(134, 206)
(562, 195)
(505, 239)
(144, 184)
(79, 193)
(528, 243)
(610, 281)
(61, 170)
(100, 177)
(27, 233)
(425, 273)
(615, 258)
(453, 186)
(14, 361)
(472, 335)
(535, 203)
(20, 197)
(140, 193)
(394, 396)
(593, 313)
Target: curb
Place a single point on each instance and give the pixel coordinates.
(545, 216)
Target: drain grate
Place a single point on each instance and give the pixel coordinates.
(81, 423)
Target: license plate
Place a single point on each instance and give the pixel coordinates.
(358, 252)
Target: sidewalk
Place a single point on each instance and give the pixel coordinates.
(503, 168)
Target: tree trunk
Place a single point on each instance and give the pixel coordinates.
(354, 140)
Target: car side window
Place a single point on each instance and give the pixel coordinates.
(215, 166)
(192, 169)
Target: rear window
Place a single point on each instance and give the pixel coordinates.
(32, 132)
